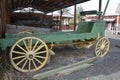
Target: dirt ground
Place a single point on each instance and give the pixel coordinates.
(106, 68)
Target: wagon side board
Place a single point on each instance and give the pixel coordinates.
(97, 28)
(8, 42)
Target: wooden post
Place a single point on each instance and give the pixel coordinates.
(0, 25)
(51, 25)
(118, 20)
(3, 19)
(60, 28)
(75, 17)
(100, 7)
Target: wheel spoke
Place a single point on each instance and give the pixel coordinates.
(18, 57)
(102, 41)
(38, 60)
(25, 45)
(102, 53)
(17, 52)
(21, 61)
(41, 46)
(30, 44)
(24, 64)
(106, 43)
(34, 63)
(98, 47)
(40, 57)
(99, 53)
(41, 52)
(21, 48)
(29, 65)
(106, 46)
(35, 45)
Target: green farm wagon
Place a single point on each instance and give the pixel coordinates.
(30, 52)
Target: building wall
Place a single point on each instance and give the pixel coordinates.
(113, 17)
(107, 17)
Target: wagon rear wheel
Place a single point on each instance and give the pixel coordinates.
(102, 47)
(27, 32)
(29, 54)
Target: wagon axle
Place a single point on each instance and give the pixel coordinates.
(30, 55)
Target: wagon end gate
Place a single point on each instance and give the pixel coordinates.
(93, 26)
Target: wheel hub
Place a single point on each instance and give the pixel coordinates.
(30, 55)
(102, 47)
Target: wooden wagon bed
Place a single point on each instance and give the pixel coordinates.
(84, 32)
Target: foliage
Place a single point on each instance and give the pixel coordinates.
(78, 10)
(65, 11)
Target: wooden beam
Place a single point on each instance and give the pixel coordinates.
(12, 4)
(75, 17)
(3, 18)
(24, 2)
(60, 28)
(31, 1)
(69, 68)
(39, 2)
(100, 7)
(75, 68)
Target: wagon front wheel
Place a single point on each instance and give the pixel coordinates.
(102, 47)
(29, 54)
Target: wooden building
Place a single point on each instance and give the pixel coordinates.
(112, 20)
(32, 19)
(65, 21)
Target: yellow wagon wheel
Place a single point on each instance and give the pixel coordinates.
(28, 56)
(27, 32)
(102, 47)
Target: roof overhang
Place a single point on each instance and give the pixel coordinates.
(43, 5)
(109, 20)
